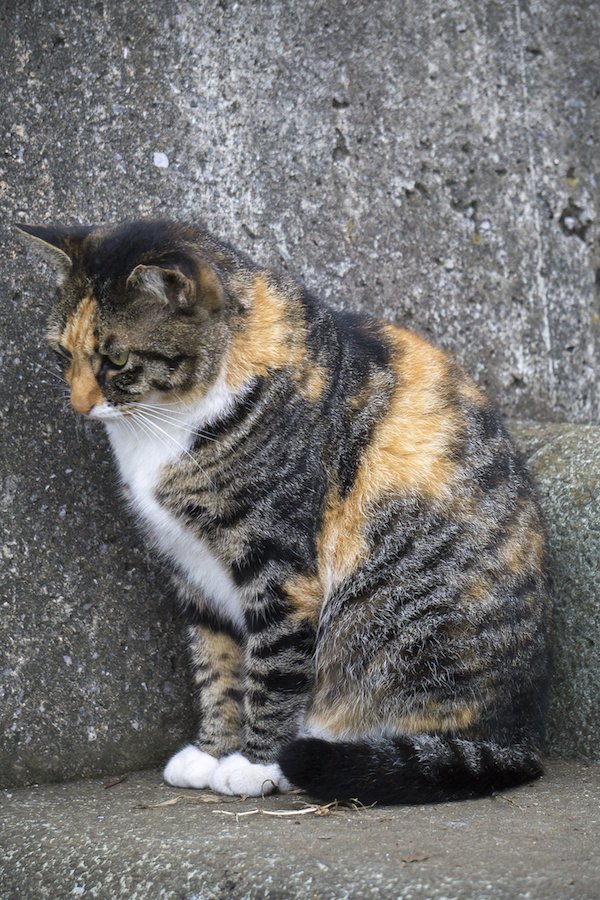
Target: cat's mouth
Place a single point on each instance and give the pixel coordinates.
(106, 411)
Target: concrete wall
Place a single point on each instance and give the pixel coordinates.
(433, 163)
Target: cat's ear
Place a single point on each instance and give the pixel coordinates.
(60, 244)
(52, 240)
(172, 287)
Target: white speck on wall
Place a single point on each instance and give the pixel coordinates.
(67, 659)
(92, 734)
(161, 160)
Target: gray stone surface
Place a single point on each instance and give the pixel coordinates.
(565, 462)
(436, 163)
(93, 673)
(433, 163)
(82, 840)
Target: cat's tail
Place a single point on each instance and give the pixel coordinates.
(407, 768)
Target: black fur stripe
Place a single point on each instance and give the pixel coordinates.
(302, 640)
(234, 419)
(284, 682)
(272, 611)
(205, 681)
(170, 361)
(263, 551)
(207, 618)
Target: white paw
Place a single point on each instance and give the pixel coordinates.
(190, 768)
(237, 775)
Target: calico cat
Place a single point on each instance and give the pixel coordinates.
(355, 542)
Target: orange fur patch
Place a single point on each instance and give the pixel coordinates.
(311, 383)
(80, 340)
(265, 341)
(78, 336)
(477, 590)
(408, 452)
(524, 550)
(272, 336)
(411, 449)
(216, 653)
(222, 655)
(306, 594)
(459, 719)
(354, 717)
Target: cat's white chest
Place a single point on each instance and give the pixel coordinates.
(141, 455)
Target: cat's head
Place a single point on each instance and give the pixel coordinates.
(140, 312)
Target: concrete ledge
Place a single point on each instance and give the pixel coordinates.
(83, 840)
(565, 463)
(95, 672)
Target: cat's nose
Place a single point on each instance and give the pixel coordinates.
(81, 404)
(85, 393)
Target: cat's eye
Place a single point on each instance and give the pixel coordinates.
(117, 360)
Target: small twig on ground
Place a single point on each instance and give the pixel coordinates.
(189, 798)
(415, 857)
(325, 809)
(507, 800)
(116, 781)
(316, 809)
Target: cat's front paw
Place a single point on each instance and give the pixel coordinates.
(190, 768)
(237, 775)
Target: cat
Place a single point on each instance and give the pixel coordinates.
(356, 544)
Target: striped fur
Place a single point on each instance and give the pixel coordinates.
(355, 542)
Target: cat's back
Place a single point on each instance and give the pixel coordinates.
(429, 438)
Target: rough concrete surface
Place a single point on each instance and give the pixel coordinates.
(565, 463)
(436, 163)
(432, 163)
(82, 840)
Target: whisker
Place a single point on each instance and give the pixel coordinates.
(147, 429)
(141, 415)
(166, 416)
(150, 431)
(128, 425)
(51, 372)
(161, 408)
(161, 417)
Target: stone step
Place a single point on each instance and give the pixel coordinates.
(565, 463)
(140, 839)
